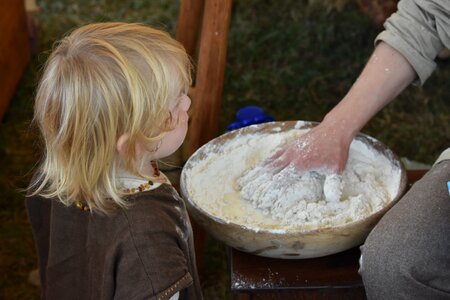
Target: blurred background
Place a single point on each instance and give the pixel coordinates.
(294, 58)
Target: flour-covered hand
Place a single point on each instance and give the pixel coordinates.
(307, 168)
(320, 149)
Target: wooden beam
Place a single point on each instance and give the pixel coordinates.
(206, 100)
(189, 24)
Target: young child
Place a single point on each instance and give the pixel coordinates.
(107, 224)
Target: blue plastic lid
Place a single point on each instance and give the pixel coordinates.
(249, 112)
(249, 115)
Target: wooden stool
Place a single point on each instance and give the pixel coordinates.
(329, 277)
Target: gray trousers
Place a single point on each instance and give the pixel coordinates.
(407, 254)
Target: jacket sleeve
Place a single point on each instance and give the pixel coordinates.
(419, 30)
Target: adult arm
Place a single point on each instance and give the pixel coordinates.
(386, 74)
(405, 51)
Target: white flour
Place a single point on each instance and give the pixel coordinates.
(228, 184)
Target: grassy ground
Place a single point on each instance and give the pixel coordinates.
(296, 62)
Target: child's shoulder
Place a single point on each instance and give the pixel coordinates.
(162, 195)
(162, 204)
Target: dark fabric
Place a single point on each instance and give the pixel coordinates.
(407, 255)
(143, 252)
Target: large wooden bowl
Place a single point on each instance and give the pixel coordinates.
(292, 243)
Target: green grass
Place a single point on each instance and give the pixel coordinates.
(293, 59)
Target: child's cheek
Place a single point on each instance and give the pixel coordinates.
(184, 117)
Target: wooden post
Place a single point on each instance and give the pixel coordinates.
(207, 94)
(189, 25)
(203, 25)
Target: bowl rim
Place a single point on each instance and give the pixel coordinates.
(291, 125)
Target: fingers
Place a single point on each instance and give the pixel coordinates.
(278, 154)
(269, 162)
(282, 158)
(278, 164)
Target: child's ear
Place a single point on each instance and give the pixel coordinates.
(122, 144)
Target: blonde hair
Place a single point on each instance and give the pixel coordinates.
(104, 80)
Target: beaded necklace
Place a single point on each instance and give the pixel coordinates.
(140, 188)
(150, 183)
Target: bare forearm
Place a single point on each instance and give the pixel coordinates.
(386, 74)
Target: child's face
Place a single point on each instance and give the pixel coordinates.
(173, 139)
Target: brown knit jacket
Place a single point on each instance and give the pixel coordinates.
(143, 252)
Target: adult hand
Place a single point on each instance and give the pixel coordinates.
(321, 149)
(302, 165)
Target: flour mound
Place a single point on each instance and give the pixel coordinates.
(277, 194)
(316, 197)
